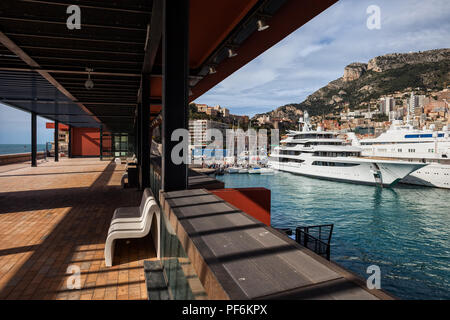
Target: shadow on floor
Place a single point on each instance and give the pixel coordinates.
(44, 272)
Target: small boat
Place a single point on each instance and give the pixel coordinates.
(232, 170)
(229, 160)
(243, 170)
(255, 170)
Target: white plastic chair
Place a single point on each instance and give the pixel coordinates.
(133, 222)
(124, 179)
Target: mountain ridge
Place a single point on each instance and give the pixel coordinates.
(382, 75)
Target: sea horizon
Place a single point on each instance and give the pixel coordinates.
(15, 148)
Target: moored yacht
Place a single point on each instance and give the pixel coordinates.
(320, 154)
(403, 142)
(232, 170)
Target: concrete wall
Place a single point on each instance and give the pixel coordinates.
(85, 142)
(19, 157)
(253, 201)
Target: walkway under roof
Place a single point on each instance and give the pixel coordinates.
(43, 63)
(57, 215)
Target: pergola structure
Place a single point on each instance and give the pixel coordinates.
(147, 60)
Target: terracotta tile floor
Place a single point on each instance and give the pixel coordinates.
(54, 219)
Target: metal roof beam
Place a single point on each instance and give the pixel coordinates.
(68, 71)
(61, 49)
(85, 25)
(111, 103)
(154, 34)
(62, 38)
(18, 100)
(8, 43)
(84, 115)
(94, 5)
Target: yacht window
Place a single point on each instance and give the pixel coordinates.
(296, 160)
(290, 152)
(334, 164)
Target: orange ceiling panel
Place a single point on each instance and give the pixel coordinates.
(156, 87)
(210, 23)
(291, 16)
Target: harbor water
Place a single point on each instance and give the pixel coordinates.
(403, 230)
(19, 148)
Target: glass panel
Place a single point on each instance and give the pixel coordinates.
(181, 277)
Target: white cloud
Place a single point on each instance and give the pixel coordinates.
(318, 52)
(246, 79)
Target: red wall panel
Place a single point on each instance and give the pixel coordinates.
(85, 142)
(253, 201)
(61, 126)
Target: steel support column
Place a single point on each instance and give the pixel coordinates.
(136, 146)
(175, 89)
(101, 143)
(144, 171)
(33, 123)
(138, 134)
(70, 142)
(33, 140)
(56, 141)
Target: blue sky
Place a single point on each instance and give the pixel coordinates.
(318, 52)
(15, 127)
(306, 60)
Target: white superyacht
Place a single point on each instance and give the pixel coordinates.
(403, 142)
(320, 154)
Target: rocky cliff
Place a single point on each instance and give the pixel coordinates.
(354, 71)
(398, 60)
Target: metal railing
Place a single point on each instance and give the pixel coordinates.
(316, 238)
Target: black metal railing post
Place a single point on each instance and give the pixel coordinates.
(316, 243)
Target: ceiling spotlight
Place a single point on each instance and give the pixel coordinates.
(231, 53)
(212, 70)
(89, 84)
(262, 25)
